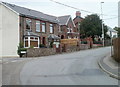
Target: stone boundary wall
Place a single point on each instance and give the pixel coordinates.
(37, 52)
(77, 48)
(116, 49)
(84, 46)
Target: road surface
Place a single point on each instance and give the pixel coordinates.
(78, 68)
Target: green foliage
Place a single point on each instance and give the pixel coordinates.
(51, 44)
(31, 46)
(91, 26)
(118, 30)
(41, 45)
(97, 42)
(21, 48)
(83, 42)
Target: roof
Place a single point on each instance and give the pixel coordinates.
(78, 17)
(110, 29)
(63, 19)
(52, 36)
(31, 13)
(30, 33)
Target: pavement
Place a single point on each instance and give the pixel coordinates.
(110, 66)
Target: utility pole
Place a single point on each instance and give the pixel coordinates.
(102, 25)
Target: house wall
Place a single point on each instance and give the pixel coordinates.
(10, 32)
(0, 31)
(41, 34)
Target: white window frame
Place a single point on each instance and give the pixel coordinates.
(29, 40)
(37, 26)
(43, 27)
(30, 23)
(51, 29)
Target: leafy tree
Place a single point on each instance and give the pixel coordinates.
(92, 26)
(118, 30)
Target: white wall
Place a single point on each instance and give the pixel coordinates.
(0, 31)
(10, 32)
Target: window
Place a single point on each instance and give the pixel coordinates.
(59, 29)
(37, 26)
(31, 41)
(68, 30)
(51, 28)
(28, 24)
(43, 27)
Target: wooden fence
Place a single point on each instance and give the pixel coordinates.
(116, 49)
(69, 41)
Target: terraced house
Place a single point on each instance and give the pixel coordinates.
(31, 27)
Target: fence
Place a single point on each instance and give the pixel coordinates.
(116, 49)
(69, 41)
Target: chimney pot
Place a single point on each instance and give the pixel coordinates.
(78, 14)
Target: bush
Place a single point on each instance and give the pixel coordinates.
(42, 46)
(83, 42)
(97, 42)
(20, 48)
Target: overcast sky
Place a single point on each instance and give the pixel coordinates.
(110, 8)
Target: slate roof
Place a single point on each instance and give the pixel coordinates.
(63, 19)
(31, 13)
(52, 36)
(30, 33)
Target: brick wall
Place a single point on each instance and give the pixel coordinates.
(41, 34)
(37, 52)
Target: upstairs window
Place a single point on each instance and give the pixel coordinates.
(37, 26)
(51, 28)
(43, 27)
(28, 24)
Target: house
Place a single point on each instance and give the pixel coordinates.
(77, 20)
(30, 27)
(67, 28)
(112, 33)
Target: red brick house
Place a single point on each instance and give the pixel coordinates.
(32, 28)
(67, 28)
(77, 20)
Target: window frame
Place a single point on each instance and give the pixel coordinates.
(30, 23)
(43, 23)
(37, 24)
(51, 28)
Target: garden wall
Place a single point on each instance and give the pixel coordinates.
(37, 52)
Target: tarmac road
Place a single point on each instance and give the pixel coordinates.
(78, 68)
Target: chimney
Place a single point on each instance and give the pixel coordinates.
(78, 14)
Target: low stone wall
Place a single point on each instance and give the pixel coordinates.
(84, 46)
(72, 48)
(37, 52)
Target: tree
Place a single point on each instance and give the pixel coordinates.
(118, 30)
(92, 26)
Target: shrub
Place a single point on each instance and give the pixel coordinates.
(83, 42)
(20, 48)
(97, 42)
(42, 46)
